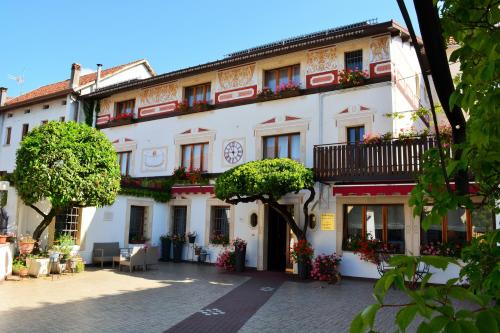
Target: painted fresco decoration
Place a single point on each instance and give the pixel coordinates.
(238, 77)
(233, 151)
(105, 107)
(321, 60)
(154, 159)
(158, 94)
(379, 49)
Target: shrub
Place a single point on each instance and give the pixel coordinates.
(325, 268)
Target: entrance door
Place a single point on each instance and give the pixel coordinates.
(278, 241)
(136, 228)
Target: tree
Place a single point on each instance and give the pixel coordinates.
(268, 181)
(68, 164)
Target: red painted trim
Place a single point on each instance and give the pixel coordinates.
(193, 189)
(253, 95)
(288, 118)
(309, 77)
(380, 64)
(154, 106)
(270, 121)
(402, 189)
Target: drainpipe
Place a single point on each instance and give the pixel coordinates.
(3, 100)
(97, 81)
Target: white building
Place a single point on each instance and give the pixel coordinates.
(362, 195)
(57, 101)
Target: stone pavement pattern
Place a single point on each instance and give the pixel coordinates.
(158, 300)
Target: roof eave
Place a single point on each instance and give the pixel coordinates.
(36, 100)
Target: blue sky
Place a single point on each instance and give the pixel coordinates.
(41, 39)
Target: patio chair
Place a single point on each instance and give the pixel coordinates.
(383, 261)
(137, 258)
(152, 255)
(124, 254)
(104, 252)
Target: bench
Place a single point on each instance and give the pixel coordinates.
(104, 252)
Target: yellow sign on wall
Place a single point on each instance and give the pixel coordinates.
(328, 221)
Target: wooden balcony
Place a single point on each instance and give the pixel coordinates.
(393, 160)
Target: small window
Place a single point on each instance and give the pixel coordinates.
(64, 102)
(197, 94)
(44, 122)
(26, 128)
(125, 107)
(278, 146)
(124, 162)
(281, 76)
(195, 156)
(68, 223)
(354, 60)
(46, 106)
(8, 135)
(219, 221)
(355, 134)
(136, 233)
(254, 220)
(179, 220)
(27, 111)
(312, 221)
(9, 115)
(62, 119)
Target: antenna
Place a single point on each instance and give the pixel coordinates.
(19, 80)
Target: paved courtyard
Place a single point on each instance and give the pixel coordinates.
(183, 298)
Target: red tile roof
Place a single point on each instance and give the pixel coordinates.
(64, 86)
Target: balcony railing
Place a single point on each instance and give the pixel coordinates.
(384, 161)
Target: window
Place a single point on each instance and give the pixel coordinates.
(276, 77)
(8, 134)
(45, 107)
(44, 122)
(125, 107)
(312, 221)
(137, 223)
(253, 220)
(354, 60)
(27, 111)
(62, 119)
(458, 226)
(179, 220)
(124, 162)
(197, 94)
(195, 156)
(355, 134)
(381, 222)
(67, 223)
(219, 221)
(278, 146)
(26, 128)
(63, 102)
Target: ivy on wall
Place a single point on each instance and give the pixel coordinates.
(88, 110)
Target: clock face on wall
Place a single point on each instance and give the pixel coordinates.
(233, 152)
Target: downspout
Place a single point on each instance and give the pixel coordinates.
(97, 81)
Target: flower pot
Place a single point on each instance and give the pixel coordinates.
(38, 267)
(289, 93)
(239, 259)
(26, 247)
(178, 246)
(3, 239)
(191, 239)
(303, 269)
(166, 244)
(23, 271)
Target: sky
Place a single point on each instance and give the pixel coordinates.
(41, 39)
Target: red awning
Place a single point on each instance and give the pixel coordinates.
(382, 189)
(193, 189)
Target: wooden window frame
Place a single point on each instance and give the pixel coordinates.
(357, 130)
(277, 74)
(120, 156)
(276, 144)
(75, 233)
(191, 159)
(185, 207)
(8, 135)
(204, 87)
(118, 110)
(142, 226)
(212, 219)
(385, 222)
(25, 130)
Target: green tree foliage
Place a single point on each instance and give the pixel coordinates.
(268, 181)
(68, 164)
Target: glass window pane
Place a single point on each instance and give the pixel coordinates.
(269, 147)
(435, 232)
(361, 133)
(197, 157)
(186, 157)
(199, 93)
(190, 96)
(283, 73)
(283, 146)
(207, 94)
(296, 74)
(354, 221)
(374, 223)
(205, 157)
(270, 80)
(457, 223)
(179, 225)
(482, 221)
(123, 164)
(396, 227)
(295, 153)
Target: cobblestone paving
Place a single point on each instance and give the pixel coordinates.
(155, 301)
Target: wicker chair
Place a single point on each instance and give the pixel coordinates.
(137, 258)
(152, 255)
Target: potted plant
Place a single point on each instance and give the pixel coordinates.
(325, 268)
(182, 106)
(191, 237)
(17, 264)
(301, 254)
(200, 106)
(371, 138)
(26, 244)
(240, 248)
(197, 250)
(178, 241)
(266, 94)
(219, 239)
(351, 78)
(38, 264)
(122, 119)
(3, 239)
(289, 89)
(226, 260)
(166, 244)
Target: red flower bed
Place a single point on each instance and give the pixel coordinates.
(325, 268)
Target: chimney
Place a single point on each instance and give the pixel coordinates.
(98, 76)
(3, 96)
(74, 80)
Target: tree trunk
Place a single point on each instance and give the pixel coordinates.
(47, 219)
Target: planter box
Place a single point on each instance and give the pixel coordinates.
(38, 267)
